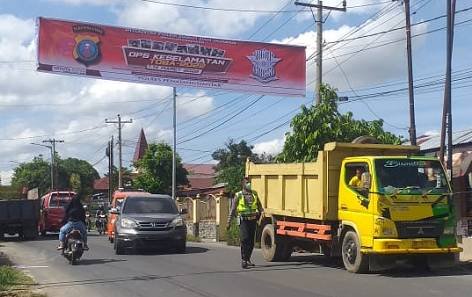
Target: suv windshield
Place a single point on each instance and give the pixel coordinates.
(149, 205)
(409, 176)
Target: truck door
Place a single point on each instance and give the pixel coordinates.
(355, 207)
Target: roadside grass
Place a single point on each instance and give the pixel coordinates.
(14, 283)
(192, 238)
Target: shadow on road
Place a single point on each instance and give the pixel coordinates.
(99, 261)
(462, 268)
(168, 251)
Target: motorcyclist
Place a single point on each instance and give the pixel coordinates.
(74, 219)
(88, 220)
(100, 212)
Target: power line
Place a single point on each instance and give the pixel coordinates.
(224, 122)
(242, 10)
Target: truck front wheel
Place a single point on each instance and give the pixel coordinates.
(273, 248)
(354, 261)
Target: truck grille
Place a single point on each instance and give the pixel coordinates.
(153, 226)
(420, 229)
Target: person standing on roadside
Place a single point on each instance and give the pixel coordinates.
(246, 203)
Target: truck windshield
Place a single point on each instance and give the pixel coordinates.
(410, 177)
(149, 205)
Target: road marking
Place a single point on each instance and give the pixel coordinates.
(30, 266)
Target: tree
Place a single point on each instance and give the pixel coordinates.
(231, 163)
(323, 123)
(155, 170)
(34, 174)
(76, 174)
(71, 173)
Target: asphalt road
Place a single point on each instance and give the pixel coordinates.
(213, 270)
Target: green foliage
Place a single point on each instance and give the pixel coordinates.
(77, 175)
(232, 235)
(231, 163)
(34, 174)
(317, 125)
(10, 277)
(9, 192)
(155, 170)
(71, 173)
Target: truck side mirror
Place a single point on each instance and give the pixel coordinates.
(366, 180)
(183, 211)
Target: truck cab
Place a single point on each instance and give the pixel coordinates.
(402, 205)
(52, 212)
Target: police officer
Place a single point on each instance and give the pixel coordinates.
(249, 209)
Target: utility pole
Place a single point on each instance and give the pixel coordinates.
(411, 93)
(120, 122)
(174, 150)
(109, 154)
(447, 106)
(319, 42)
(53, 142)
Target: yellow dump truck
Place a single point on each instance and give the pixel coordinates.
(371, 204)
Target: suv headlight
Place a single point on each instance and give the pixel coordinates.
(177, 222)
(128, 224)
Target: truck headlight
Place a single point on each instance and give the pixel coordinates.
(387, 231)
(128, 224)
(449, 230)
(177, 222)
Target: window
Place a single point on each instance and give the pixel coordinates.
(357, 177)
(60, 200)
(149, 205)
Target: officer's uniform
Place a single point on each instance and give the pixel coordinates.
(248, 206)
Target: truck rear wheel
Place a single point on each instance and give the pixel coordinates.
(354, 261)
(273, 248)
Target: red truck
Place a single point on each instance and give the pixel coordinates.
(52, 212)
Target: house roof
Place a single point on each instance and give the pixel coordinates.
(101, 184)
(141, 147)
(433, 142)
(200, 169)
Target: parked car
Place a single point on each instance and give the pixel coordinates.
(53, 206)
(149, 221)
(117, 199)
(19, 217)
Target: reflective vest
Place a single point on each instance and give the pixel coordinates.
(246, 209)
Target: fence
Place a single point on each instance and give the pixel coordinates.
(206, 216)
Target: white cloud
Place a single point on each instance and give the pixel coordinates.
(194, 21)
(87, 2)
(366, 67)
(272, 147)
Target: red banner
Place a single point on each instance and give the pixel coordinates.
(134, 55)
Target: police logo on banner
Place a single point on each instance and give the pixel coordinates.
(87, 49)
(263, 65)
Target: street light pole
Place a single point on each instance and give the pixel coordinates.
(52, 161)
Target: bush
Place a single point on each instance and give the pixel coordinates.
(232, 235)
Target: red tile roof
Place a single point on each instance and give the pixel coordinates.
(101, 184)
(200, 169)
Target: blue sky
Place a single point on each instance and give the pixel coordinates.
(35, 106)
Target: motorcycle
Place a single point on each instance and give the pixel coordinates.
(74, 247)
(100, 224)
(88, 222)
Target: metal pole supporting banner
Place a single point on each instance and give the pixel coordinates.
(174, 149)
(319, 51)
